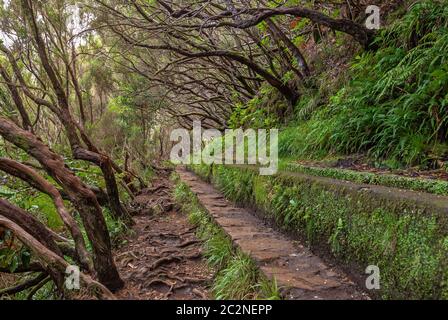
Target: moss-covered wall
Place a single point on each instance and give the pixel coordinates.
(405, 239)
(391, 180)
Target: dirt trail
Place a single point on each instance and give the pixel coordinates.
(300, 273)
(162, 259)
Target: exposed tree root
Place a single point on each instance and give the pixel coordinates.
(199, 293)
(164, 252)
(164, 260)
(187, 243)
(24, 285)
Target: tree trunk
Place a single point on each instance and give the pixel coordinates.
(26, 122)
(301, 62)
(69, 123)
(80, 195)
(49, 258)
(35, 228)
(34, 179)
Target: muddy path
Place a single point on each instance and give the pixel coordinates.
(162, 258)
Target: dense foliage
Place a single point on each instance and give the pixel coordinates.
(394, 107)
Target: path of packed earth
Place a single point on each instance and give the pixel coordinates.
(162, 258)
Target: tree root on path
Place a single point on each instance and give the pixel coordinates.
(164, 253)
(187, 243)
(164, 260)
(173, 286)
(24, 285)
(199, 293)
(158, 280)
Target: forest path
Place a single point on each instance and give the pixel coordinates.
(162, 258)
(299, 273)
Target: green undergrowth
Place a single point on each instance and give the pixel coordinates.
(237, 276)
(407, 243)
(118, 229)
(439, 187)
(393, 108)
(38, 204)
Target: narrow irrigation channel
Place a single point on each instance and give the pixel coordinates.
(295, 270)
(401, 233)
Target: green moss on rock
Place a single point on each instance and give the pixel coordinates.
(439, 187)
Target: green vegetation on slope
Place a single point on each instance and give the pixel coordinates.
(439, 187)
(394, 106)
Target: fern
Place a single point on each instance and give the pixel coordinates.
(396, 104)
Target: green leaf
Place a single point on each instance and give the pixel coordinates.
(26, 258)
(14, 263)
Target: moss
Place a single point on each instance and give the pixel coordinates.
(439, 187)
(43, 207)
(408, 243)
